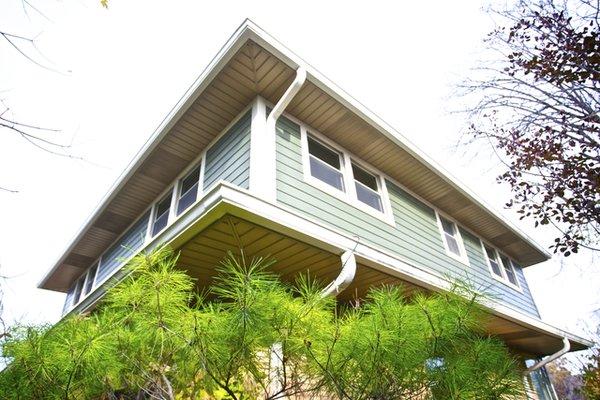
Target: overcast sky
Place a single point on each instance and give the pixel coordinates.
(119, 71)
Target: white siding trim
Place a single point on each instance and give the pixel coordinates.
(259, 181)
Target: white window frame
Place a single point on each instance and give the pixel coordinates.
(504, 277)
(463, 257)
(177, 189)
(346, 160)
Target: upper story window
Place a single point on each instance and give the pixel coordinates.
(89, 279)
(452, 239)
(367, 188)
(188, 190)
(339, 173)
(325, 164)
(501, 266)
(161, 214)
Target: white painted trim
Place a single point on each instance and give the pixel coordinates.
(502, 279)
(463, 257)
(258, 136)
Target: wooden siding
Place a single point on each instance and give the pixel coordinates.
(229, 158)
(414, 238)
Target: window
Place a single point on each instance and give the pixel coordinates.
(493, 261)
(69, 299)
(188, 190)
(452, 239)
(501, 266)
(509, 270)
(89, 280)
(367, 188)
(161, 214)
(78, 288)
(325, 164)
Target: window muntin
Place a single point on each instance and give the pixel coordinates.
(188, 190)
(451, 236)
(367, 188)
(161, 214)
(325, 164)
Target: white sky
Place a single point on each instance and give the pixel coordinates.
(122, 69)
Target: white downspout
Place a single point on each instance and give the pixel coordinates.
(346, 276)
(541, 363)
(269, 151)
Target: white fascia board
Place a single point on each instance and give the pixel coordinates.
(281, 51)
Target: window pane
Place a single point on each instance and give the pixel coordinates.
(448, 226)
(69, 298)
(78, 288)
(90, 279)
(323, 153)
(364, 177)
(162, 214)
(188, 190)
(190, 181)
(491, 255)
(510, 274)
(368, 196)
(326, 173)
(187, 199)
(452, 245)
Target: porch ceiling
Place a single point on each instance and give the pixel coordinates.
(252, 63)
(202, 254)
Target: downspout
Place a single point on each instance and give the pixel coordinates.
(346, 276)
(541, 363)
(269, 152)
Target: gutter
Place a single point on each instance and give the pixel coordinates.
(345, 278)
(550, 358)
(270, 190)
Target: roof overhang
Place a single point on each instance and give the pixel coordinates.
(252, 63)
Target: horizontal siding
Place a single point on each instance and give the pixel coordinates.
(129, 243)
(414, 238)
(229, 158)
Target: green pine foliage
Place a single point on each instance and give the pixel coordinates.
(250, 336)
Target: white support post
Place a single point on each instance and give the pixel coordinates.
(259, 150)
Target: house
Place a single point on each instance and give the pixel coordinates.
(265, 153)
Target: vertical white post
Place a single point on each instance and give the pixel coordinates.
(261, 151)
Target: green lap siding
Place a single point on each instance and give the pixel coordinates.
(229, 158)
(415, 237)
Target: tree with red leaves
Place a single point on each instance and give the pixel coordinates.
(538, 105)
